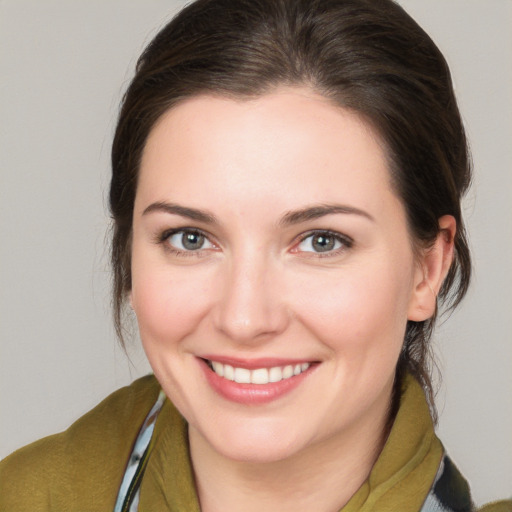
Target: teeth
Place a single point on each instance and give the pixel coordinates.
(229, 372)
(242, 376)
(287, 371)
(259, 375)
(218, 368)
(275, 374)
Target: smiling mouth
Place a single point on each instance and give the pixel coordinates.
(257, 375)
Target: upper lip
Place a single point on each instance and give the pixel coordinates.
(254, 363)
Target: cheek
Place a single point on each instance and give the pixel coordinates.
(360, 309)
(168, 304)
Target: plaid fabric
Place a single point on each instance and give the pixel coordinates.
(128, 497)
(449, 492)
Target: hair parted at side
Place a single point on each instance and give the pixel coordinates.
(369, 56)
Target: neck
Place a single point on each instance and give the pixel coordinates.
(322, 477)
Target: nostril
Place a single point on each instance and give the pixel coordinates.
(249, 306)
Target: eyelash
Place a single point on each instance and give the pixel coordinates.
(345, 241)
(163, 239)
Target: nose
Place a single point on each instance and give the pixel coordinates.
(251, 306)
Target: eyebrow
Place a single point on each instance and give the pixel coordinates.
(182, 211)
(321, 210)
(288, 219)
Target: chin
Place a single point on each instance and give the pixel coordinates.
(255, 453)
(258, 443)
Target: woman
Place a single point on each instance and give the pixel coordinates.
(286, 196)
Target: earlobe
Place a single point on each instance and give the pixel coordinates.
(432, 270)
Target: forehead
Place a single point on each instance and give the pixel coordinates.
(292, 141)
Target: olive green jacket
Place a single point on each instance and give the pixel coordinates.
(81, 468)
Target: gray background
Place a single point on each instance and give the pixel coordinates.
(64, 65)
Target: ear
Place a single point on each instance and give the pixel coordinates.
(432, 268)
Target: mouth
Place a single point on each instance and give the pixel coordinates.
(255, 382)
(258, 376)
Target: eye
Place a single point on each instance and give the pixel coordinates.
(188, 240)
(323, 242)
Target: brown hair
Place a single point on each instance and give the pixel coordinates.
(366, 55)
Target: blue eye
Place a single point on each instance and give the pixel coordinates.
(187, 240)
(321, 242)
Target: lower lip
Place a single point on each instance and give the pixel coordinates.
(252, 394)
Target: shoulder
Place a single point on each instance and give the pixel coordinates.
(83, 464)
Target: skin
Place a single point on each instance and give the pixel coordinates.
(258, 288)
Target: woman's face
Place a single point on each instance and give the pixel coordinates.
(270, 248)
